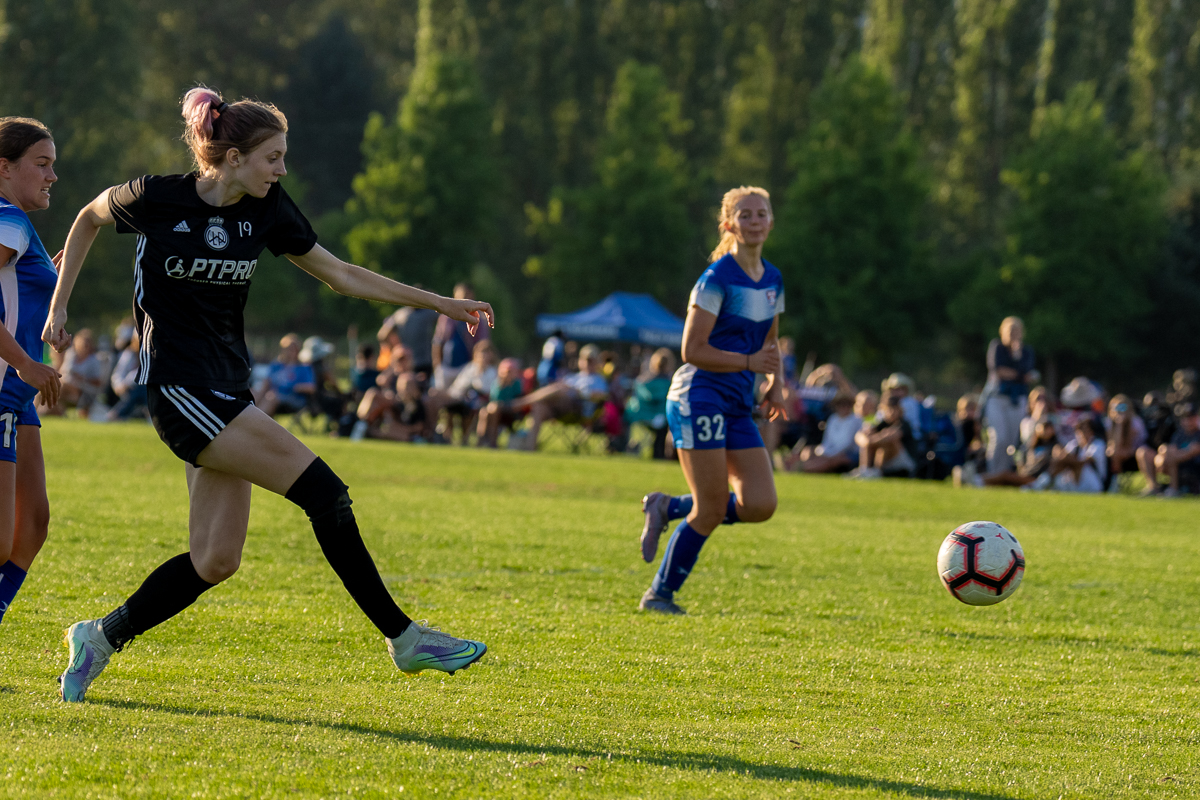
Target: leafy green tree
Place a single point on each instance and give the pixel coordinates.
(848, 236)
(629, 229)
(420, 208)
(1083, 234)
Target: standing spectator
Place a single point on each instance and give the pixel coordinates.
(1126, 436)
(888, 448)
(453, 343)
(131, 395)
(414, 329)
(1010, 370)
(648, 403)
(289, 384)
(1178, 461)
(83, 374)
(554, 354)
(501, 410)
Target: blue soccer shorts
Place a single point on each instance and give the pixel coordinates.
(709, 426)
(10, 418)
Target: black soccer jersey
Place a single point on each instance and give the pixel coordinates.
(192, 274)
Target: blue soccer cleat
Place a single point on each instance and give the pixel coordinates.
(425, 647)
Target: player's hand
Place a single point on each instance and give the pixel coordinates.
(469, 311)
(765, 361)
(55, 333)
(775, 404)
(44, 378)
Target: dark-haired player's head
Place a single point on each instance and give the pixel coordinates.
(26, 163)
(241, 143)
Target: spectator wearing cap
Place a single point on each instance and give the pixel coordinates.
(887, 448)
(1126, 435)
(327, 395)
(1177, 462)
(901, 386)
(1078, 399)
(289, 384)
(837, 451)
(1010, 371)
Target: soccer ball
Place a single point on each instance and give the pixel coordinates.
(981, 563)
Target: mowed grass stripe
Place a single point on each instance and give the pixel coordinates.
(821, 659)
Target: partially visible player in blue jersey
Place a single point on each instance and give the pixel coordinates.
(27, 277)
(731, 333)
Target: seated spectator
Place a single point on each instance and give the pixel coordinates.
(453, 343)
(365, 371)
(1040, 409)
(837, 451)
(1081, 465)
(130, 395)
(414, 328)
(327, 397)
(1127, 435)
(647, 405)
(1032, 460)
(1183, 387)
(1077, 399)
(554, 355)
(83, 374)
(1160, 420)
(502, 410)
(289, 384)
(375, 410)
(902, 387)
(467, 394)
(576, 397)
(122, 334)
(866, 406)
(1177, 462)
(887, 448)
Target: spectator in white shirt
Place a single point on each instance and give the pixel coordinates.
(1081, 466)
(574, 397)
(837, 451)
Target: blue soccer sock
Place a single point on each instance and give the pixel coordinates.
(682, 552)
(731, 510)
(11, 578)
(679, 507)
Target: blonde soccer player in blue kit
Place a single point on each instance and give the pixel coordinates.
(731, 334)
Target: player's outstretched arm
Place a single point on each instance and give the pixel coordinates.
(355, 281)
(94, 216)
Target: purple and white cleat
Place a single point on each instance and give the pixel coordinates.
(424, 647)
(89, 653)
(654, 506)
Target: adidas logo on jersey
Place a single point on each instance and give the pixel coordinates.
(182, 227)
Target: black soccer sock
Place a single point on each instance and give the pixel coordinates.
(171, 588)
(323, 497)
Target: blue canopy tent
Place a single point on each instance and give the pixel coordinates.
(620, 317)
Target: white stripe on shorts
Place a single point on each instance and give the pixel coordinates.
(187, 408)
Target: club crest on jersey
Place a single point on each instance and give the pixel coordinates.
(215, 236)
(771, 297)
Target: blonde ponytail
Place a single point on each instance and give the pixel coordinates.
(729, 211)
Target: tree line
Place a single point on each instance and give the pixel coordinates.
(935, 165)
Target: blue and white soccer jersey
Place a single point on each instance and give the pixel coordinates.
(711, 410)
(26, 286)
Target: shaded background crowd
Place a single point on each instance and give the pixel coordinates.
(935, 165)
(425, 378)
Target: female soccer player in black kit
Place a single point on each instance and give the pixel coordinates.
(199, 239)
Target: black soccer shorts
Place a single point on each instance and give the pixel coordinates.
(187, 418)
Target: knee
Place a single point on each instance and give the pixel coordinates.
(217, 567)
(758, 509)
(708, 516)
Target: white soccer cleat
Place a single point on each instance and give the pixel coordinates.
(425, 647)
(655, 506)
(89, 652)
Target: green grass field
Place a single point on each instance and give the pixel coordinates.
(821, 658)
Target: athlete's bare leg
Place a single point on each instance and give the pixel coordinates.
(218, 516)
(753, 481)
(258, 449)
(24, 508)
(707, 475)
